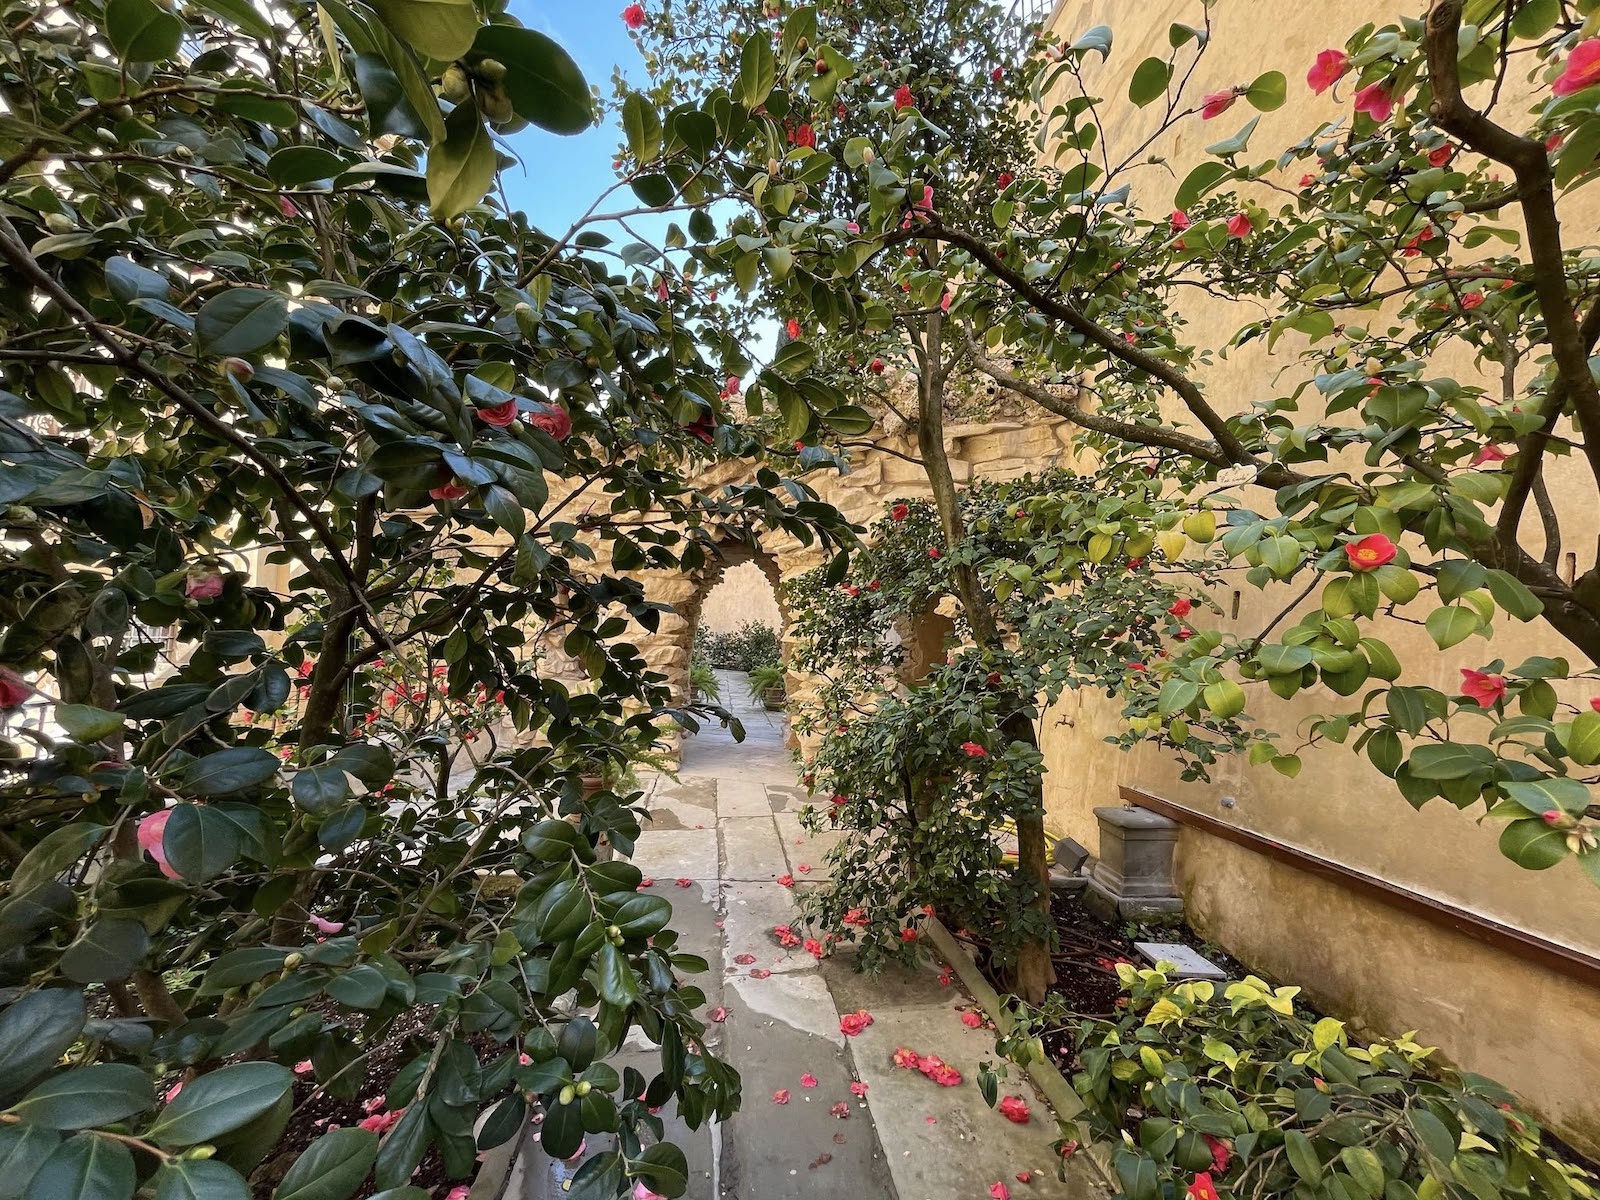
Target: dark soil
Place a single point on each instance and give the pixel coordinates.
(1086, 964)
(317, 1112)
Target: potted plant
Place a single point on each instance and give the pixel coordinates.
(703, 683)
(768, 684)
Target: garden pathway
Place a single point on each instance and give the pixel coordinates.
(722, 835)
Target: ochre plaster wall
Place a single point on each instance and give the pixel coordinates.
(1487, 1010)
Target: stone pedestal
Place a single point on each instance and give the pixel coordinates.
(1132, 879)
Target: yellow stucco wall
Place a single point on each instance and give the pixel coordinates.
(1488, 1011)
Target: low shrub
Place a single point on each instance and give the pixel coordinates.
(1231, 1090)
(753, 644)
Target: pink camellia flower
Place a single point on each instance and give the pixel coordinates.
(1239, 225)
(926, 203)
(449, 491)
(857, 1088)
(1371, 552)
(731, 388)
(1327, 70)
(1439, 155)
(1015, 1110)
(971, 1019)
(808, 1080)
(792, 328)
(1307, 180)
(203, 583)
(499, 415)
(1376, 101)
(322, 926)
(1004, 180)
(853, 1023)
(633, 16)
(1581, 70)
(813, 948)
(1181, 607)
(903, 97)
(172, 1092)
(908, 934)
(999, 1191)
(1482, 688)
(973, 750)
(554, 420)
(805, 137)
(786, 881)
(1557, 819)
(781, 1096)
(1202, 1188)
(375, 1105)
(876, 366)
(840, 1110)
(908, 1059)
(303, 1067)
(642, 1192)
(462, 1190)
(152, 829)
(852, 227)
(1178, 221)
(935, 552)
(718, 1015)
(1488, 454)
(14, 690)
(1217, 103)
(381, 1123)
(1594, 703)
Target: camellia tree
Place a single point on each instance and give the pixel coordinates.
(1414, 236)
(269, 849)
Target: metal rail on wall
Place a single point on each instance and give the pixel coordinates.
(1566, 960)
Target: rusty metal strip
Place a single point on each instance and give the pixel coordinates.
(1518, 943)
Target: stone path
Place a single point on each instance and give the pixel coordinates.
(728, 827)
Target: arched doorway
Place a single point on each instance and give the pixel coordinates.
(738, 591)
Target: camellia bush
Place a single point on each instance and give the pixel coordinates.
(325, 481)
(1213, 1089)
(1433, 322)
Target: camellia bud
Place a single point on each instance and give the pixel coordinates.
(584, 1087)
(822, 67)
(455, 85)
(496, 105)
(867, 155)
(199, 1152)
(240, 368)
(491, 69)
(292, 961)
(335, 383)
(567, 1094)
(59, 223)
(614, 932)
(802, 44)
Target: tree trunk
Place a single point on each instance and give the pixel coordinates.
(1034, 972)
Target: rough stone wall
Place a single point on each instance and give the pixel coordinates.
(745, 594)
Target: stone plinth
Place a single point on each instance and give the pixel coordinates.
(1132, 878)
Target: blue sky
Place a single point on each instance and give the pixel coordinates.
(561, 176)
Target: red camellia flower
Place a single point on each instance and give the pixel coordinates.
(701, 427)
(1329, 68)
(1376, 101)
(804, 136)
(876, 366)
(908, 935)
(1482, 688)
(1581, 70)
(1015, 1110)
(633, 16)
(555, 421)
(786, 881)
(1239, 226)
(999, 1191)
(907, 1059)
(1471, 300)
(900, 512)
(1439, 155)
(997, 74)
(808, 1080)
(1215, 104)
(1178, 221)
(813, 947)
(499, 415)
(973, 750)
(1182, 607)
(971, 1019)
(449, 491)
(1202, 1188)
(935, 552)
(903, 97)
(840, 1110)
(792, 328)
(1488, 454)
(1221, 1152)
(1005, 179)
(1371, 552)
(1307, 180)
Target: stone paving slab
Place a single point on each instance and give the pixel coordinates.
(802, 847)
(751, 849)
(750, 911)
(670, 854)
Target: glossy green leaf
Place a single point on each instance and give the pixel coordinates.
(240, 320)
(81, 1097)
(142, 31)
(331, 1168)
(438, 29)
(544, 83)
(461, 168)
(219, 1102)
(85, 1167)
